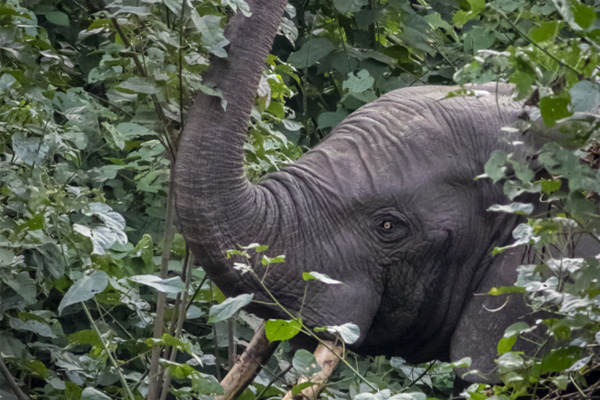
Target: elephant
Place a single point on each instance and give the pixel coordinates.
(387, 204)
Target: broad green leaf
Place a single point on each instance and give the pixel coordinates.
(349, 332)
(93, 394)
(505, 290)
(213, 38)
(140, 11)
(29, 150)
(495, 167)
(275, 260)
(579, 16)
(86, 336)
(408, 396)
(585, 96)
(296, 389)
(111, 219)
(347, 6)
(554, 108)
(84, 289)
(550, 186)
(545, 31)
(172, 285)
(358, 83)
(311, 51)
(330, 119)
(23, 285)
(241, 4)
(307, 276)
(32, 325)
(225, 310)
(32, 224)
(278, 329)
(559, 360)
(168, 340)
(102, 237)
(510, 361)
(513, 208)
(57, 18)
(139, 85)
(305, 363)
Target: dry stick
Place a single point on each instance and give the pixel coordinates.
(247, 365)
(327, 355)
(162, 297)
(11, 381)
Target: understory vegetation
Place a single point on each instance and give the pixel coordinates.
(92, 100)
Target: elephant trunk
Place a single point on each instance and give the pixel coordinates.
(217, 206)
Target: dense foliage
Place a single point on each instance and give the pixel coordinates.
(92, 98)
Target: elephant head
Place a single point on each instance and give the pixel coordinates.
(387, 204)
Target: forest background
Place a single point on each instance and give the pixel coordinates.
(92, 99)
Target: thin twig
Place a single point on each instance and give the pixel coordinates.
(161, 301)
(11, 381)
(109, 354)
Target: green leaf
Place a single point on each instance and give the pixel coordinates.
(241, 4)
(33, 224)
(23, 285)
(554, 108)
(278, 329)
(559, 360)
(358, 83)
(29, 150)
(300, 387)
(347, 6)
(58, 18)
(275, 260)
(578, 16)
(349, 332)
(84, 289)
(495, 167)
(307, 276)
(137, 84)
(223, 311)
(545, 31)
(172, 285)
(550, 186)
(102, 237)
(32, 325)
(86, 336)
(331, 119)
(93, 394)
(311, 51)
(505, 289)
(104, 212)
(305, 363)
(585, 96)
(213, 38)
(512, 208)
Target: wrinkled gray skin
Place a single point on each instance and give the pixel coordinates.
(404, 162)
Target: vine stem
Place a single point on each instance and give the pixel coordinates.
(111, 358)
(533, 42)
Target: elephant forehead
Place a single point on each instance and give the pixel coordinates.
(399, 141)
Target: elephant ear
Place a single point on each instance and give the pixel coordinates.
(486, 317)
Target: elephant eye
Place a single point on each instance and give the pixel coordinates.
(387, 225)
